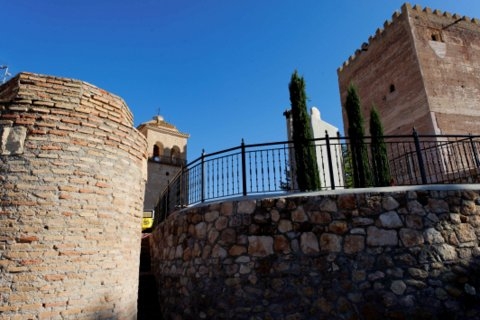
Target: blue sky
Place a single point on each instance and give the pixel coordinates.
(217, 69)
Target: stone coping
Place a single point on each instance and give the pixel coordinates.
(389, 189)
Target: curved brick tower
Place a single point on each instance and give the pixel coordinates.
(72, 173)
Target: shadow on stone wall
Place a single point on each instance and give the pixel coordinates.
(398, 255)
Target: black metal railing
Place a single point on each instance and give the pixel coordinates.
(269, 168)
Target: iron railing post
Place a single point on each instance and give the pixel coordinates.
(244, 169)
(421, 165)
(167, 201)
(202, 177)
(329, 158)
(181, 188)
(474, 150)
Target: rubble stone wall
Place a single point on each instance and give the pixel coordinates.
(72, 173)
(392, 253)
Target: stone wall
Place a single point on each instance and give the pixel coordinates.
(72, 173)
(159, 175)
(397, 253)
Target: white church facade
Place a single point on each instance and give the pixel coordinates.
(330, 177)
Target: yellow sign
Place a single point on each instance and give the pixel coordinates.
(147, 223)
(147, 220)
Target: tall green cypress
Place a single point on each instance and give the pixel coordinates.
(347, 167)
(359, 153)
(305, 157)
(380, 167)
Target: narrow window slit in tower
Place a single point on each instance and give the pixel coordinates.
(436, 35)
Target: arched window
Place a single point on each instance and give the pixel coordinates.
(175, 153)
(157, 152)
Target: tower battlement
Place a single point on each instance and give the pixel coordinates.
(407, 10)
(422, 70)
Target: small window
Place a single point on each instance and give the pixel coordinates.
(436, 35)
(156, 151)
(175, 153)
(392, 88)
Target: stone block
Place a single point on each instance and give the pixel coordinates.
(411, 237)
(354, 244)
(330, 242)
(12, 140)
(381, 237)
(390, 220)
(259, 246)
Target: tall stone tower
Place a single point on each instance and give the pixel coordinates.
(167, 153)
(421, 70)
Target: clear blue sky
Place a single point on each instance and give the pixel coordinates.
(217, 69)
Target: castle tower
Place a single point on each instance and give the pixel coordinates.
(72, 176)
(167, 153)
(421, 70)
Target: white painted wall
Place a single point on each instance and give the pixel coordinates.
(320, 128)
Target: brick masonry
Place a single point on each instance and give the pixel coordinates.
(422, 70)
(72, 174)
(395, 253)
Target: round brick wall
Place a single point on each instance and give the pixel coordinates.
(72, 173)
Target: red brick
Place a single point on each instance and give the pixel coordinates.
(51, 148)
(49, 315)
(30, 262)
(27, 239)
(38, 131)
(26, 122)
(54, 304)
(5, 308)
(54, 277)
(9, 116)
(58, 132)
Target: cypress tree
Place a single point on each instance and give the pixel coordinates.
(347, 167)
(305, 157)
(381, 169)
(356, 134)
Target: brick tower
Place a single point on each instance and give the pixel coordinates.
(72, 174)
(421, 70)
(167, 153)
